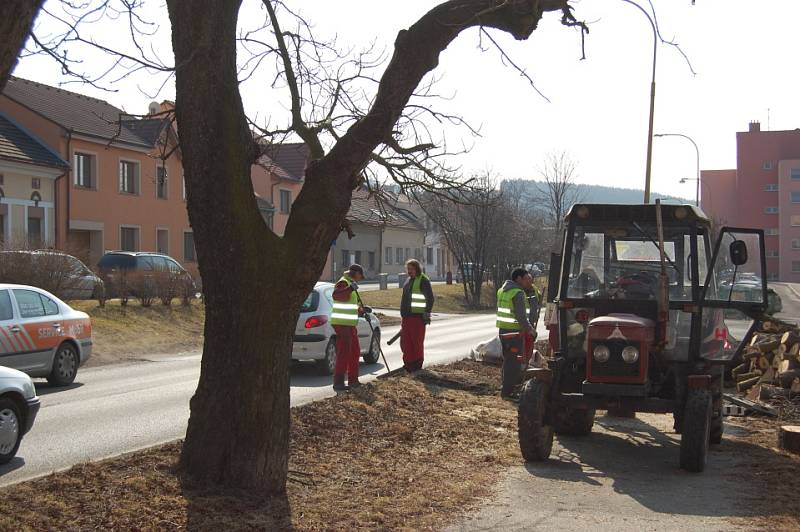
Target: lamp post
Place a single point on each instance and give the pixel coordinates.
(652, 101)
(697, 159)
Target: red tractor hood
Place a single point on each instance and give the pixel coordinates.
(623, 320)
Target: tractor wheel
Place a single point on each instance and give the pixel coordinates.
(574, 422)
(715, 434)
(535, 436)
(696, 430)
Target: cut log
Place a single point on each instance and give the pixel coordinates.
(747, 383)
(781, 351)
(755, 339)
(738, 370)
(751, 353)
(763, 363)
(789, 438)
(795, 389)
(787, 377)
(768, 392)
(794, 352)
(768, 376)
(746, 376)
(790, 338)
(769, 345)
(754, 393)
(784, 366)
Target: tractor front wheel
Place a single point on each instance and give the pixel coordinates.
(535, 435)
(696, 431)
(574, 422)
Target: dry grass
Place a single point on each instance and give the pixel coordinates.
(768, 475)
(127, 333)
(404, 453)
(449, 298)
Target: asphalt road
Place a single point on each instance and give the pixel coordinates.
(120, 408)
(790, 298)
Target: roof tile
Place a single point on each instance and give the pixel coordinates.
(17, 145)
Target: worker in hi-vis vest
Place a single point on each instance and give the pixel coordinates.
(415, 311)
(517, 334)
(344, 318)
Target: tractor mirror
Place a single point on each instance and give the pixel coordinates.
(738, 251)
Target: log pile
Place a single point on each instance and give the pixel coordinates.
(770, 367)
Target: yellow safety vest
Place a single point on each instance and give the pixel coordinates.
(345, 312)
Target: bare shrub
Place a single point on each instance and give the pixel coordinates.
(166, 285)
(142, 287)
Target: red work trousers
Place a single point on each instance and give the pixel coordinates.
(348, 352)
(412, 342)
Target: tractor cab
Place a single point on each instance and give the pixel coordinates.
(640, 319)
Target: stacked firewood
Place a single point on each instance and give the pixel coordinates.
(771, 361)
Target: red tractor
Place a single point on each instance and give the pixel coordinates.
(638, 323)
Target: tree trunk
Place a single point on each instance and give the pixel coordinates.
(238, 428)
(16, 20)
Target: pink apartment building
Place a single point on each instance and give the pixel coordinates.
(120, 192)
(763, 192)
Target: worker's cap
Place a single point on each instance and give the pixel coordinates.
(356, 268)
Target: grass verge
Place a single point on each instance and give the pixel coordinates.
(127, 333)
(449, 298)
(403, 453)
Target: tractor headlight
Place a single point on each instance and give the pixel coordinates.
(630, 354)
(602, 353)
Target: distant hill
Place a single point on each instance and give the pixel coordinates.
(594, 193)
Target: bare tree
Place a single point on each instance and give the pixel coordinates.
(254, 281)
(558, 173)
(16, 19)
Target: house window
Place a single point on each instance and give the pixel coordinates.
(772, 231)
(345, 258)
(418, 253)
(189, 253)
(794, 173)
(796, 243)
(408, 253)
(387, 255)
(796, 266)
(371, 260)
(358, 257)
(429, 255)
(36, 183)
(129, 238)
(398, 255)
(161, 182)
(795, 197)
(162, 241)
(767, 165)
(795, 221)
(85, 165)
(770, 210)
(286, 201)
(35, 232)
(772, 187)
(128, 177)
(772, 253)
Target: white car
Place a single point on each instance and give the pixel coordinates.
(18, 408)
(314, 336)
(41, 335)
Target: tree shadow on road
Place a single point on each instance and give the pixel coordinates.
(638, 460)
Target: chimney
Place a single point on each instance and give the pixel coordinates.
(755, 126)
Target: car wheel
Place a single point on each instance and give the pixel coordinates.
(328, 364)
(65, 366)
(374, 353)
(10, 432)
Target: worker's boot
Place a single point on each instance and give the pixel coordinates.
(353, 383)
(338, 384)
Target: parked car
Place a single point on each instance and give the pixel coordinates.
(18, 408)
(315, 338)
(54, 271)
(749, 289)
(117, 263)
(41, 335)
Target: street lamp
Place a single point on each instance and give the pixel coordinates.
(697, 159)
(652, 101)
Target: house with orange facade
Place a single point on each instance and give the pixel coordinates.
(123, 188)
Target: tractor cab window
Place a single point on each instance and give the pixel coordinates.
(625, 262)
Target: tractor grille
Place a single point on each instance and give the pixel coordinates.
(615, 367)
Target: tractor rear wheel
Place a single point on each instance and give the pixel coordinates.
(574, 422)
(696, 430)
(535, 435)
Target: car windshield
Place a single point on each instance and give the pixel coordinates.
(311, 303)
(624, 262)
(112, 261)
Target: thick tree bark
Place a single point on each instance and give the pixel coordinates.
(16, 20)
(254, 282)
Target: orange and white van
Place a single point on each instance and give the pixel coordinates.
(41, 335)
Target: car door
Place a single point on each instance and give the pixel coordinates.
(12, 351)
(37, 330)
(364, 334)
